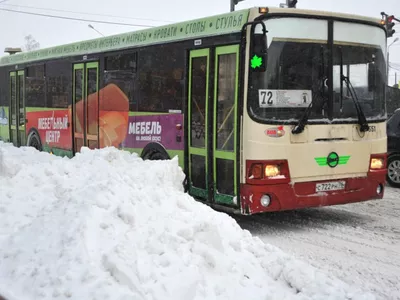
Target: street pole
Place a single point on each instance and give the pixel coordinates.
(395, 40)
(233, 3)
(91, 27)
(388, 67)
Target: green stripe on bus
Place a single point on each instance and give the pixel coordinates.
(197, 192)
(146, 113)
(323, 161)
(39, 109)
(58, 151)
(215, 25)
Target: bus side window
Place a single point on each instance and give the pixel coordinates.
(120, 69)
(59, 84)
(160, 74)
(35, 87)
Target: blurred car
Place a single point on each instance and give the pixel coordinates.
(393, 136)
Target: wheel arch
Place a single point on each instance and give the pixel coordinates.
(34, 132)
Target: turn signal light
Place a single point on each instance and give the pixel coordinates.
(263, 10)
(377, 163)
(272, 171)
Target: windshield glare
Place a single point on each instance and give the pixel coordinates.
(297, 71)
(357, 47)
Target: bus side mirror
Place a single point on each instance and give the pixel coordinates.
(259, 51)
(372, 74)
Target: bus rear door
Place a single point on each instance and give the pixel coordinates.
(17, 108)
(212, 124)
(86, 105)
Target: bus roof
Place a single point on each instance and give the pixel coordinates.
(214, 25)
(277, 10)
(209, 26)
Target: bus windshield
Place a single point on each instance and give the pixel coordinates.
(297, 71)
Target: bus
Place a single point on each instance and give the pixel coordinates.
(267, 109)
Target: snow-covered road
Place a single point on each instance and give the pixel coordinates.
(358, 243)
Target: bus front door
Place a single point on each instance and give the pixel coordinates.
(86, 105)
(17, 108)
(212, 125)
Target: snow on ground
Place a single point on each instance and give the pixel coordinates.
(359, 243)
(107, 225)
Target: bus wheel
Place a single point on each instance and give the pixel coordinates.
(154, 151)
(157, 156)
(393, 175)
(34, 141)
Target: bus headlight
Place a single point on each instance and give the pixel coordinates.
(377, 163)
(272, 171)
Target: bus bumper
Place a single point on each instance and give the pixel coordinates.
(302, 195)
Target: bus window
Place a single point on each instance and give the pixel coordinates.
(35, 87)
(225, 121)
(226, 101)
(13, 101)
(199, 85)
(78, 97)
(92, 113)
(160, 85)
(21, 104)
(59, 84)
(120, 69)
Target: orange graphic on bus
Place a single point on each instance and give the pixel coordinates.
(109, 124)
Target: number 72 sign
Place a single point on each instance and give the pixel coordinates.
(284, 98)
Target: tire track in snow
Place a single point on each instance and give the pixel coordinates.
(359, 243)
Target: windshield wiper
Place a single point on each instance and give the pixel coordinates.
(362, 121)
(299, 128)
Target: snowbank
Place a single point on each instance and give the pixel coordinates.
(107, 225)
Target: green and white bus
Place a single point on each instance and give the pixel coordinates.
(267, 109)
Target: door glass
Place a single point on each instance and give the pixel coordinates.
(21, 119)
(92, 102)
(13, 107)
(198, 98)
(226, 101)
(78, 101)
(198, 164)
(225, 123)
(225, 176)
(13, 101)
(198, 120)
(21, 110)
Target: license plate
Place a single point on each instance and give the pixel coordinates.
(330, 186)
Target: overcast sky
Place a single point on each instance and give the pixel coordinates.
(50, 32)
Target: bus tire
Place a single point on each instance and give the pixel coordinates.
(34, 141)
(393, 165)
(154, 151)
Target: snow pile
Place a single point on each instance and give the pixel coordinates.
(108, 225)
